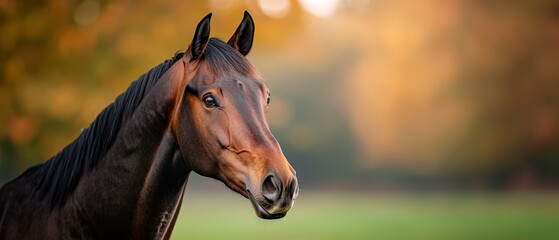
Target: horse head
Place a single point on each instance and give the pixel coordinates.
(220, 121)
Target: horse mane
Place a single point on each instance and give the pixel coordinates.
(55, 179)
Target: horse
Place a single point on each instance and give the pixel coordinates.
(203, 111)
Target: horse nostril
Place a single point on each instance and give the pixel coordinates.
(271, 188)
(294, 188)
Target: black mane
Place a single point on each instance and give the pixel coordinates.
(57, 178)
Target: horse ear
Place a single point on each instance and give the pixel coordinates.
(243, 36)
(201, 37)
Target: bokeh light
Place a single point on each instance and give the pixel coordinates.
(320, 8)
(275, 8)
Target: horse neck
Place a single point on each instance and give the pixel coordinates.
(138, 185)
(162, 192)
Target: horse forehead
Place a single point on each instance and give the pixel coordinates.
(242, 84)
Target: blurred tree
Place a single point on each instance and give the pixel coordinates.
(460, 89)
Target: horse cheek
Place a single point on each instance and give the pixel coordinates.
(221, 133)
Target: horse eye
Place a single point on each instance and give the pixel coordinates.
(268, 100)
(209, 101)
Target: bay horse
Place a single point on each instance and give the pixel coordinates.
(204, 110)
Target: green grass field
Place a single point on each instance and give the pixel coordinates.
(334, 215)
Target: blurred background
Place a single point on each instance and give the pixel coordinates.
(430, 119)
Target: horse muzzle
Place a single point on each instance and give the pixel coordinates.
(275, 198)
